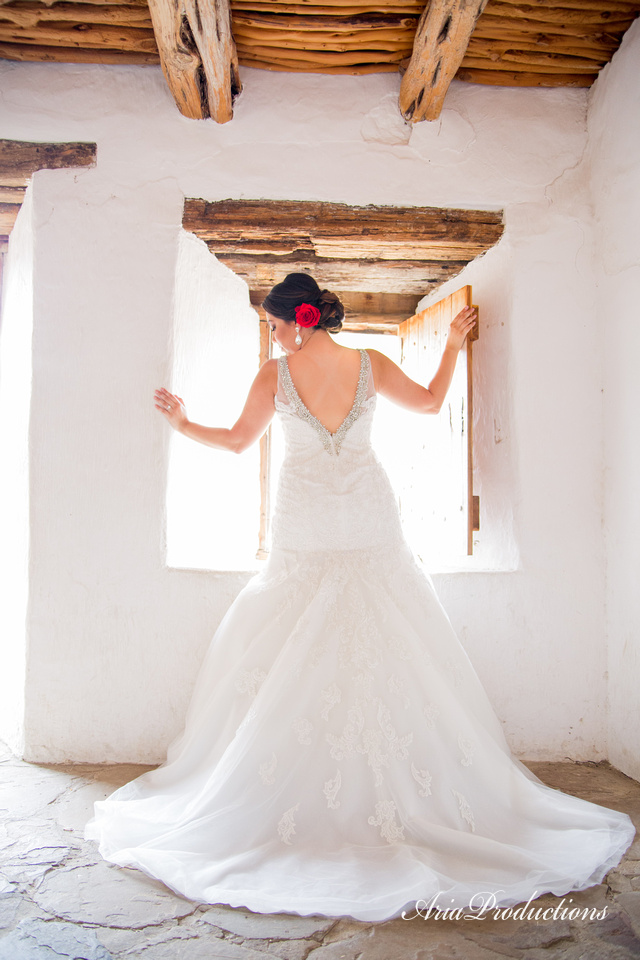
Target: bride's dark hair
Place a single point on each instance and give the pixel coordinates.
(297, 288)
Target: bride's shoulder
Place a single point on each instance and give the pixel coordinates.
(378, 360)
(268, 373)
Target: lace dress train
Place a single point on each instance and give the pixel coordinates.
(340, 756)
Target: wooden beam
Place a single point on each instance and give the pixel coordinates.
(198, 55)
(112, 3)
(378, 276)
(12, 194)
(302, 66)
(40, 53)
(20, 159)
(560, 14)
(29, 14)
(392, 22)
(8, 214)
(524, 78)
(337, 230)
(372, 325)
(101, 36)
(440, 43)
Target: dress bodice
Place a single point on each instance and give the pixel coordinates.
(333, 493)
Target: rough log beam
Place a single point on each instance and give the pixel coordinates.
(299, 224)
(525, 78)
(198, 55)
(376, 276)
(98, 3)
(440, 43)
(20, 159)
(122, 39)
(39, 53)
(303, 66)
(29, 14)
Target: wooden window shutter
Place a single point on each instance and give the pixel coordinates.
(437, 501)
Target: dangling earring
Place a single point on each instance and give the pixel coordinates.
(298, 339)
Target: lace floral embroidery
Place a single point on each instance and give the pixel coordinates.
(267, 770)
(423, 779)
(332, 441)
(330, 696)
(385, 818)
(464, 808)
(431, 714)
(249, 682)
(331, 788)
(302, 729)
(378, 745)
(466, 746)
(397, 685)
(287, 824)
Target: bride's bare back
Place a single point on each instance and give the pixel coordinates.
(326, 381)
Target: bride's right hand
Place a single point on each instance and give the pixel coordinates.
(172, 407)
(460, 326)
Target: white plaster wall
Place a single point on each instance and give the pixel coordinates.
(614, 155)
(16, 328)
(116, 638)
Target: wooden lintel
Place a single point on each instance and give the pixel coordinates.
(20, 159)
(198, 55)
(340, 231)
(440, 43)
(377, 276)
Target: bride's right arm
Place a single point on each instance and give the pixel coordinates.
(394, 384)
(256, 415)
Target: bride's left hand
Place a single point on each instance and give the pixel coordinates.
(172, 407)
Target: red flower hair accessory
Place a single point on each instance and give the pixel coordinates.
(307, 315)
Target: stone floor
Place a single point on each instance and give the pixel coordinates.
(59, 899)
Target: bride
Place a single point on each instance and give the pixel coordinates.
(340, 756)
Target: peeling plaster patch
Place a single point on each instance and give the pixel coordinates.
(448, 138)
(45, 940)
(384, 124)
(109, 896)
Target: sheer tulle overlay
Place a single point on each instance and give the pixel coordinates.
(340, 756)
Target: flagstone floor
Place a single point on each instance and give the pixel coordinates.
(59, 899)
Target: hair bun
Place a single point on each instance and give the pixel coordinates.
(331, 310)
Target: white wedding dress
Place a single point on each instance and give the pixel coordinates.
(340, 755)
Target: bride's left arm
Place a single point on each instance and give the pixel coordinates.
(256, 415)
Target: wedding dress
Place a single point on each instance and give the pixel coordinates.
(340, 756)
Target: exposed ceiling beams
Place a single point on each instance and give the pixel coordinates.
(546, 43)
(380, 260)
